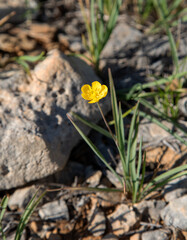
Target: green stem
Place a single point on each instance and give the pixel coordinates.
(106, 123)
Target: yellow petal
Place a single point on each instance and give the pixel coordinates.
(96, 86)
(104, 91)
(87, 96)
(94, 100)
(86, 89)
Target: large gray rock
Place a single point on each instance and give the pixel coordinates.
(36, 135)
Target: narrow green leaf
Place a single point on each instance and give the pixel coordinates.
(95, 150)
(4, 204)
(88, 28)
(114, 103)
(28, 58)
(166, 176)
(94, 35)
(131, 139)
(173, 6)
(121, 141)
(27, 213)
(164, 182)
(160, 124)
(142, 178)
(121, 131)
(132, 160)
(137, 183)
(93, 189)
(139, 87)
(112, 21)
(24, 65)
(161, 114)
(92, 125)
(124, 114)
(101, 22)
(81, 56)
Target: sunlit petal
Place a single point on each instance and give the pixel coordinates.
(96, 86)
(104, 91)
(94, 100)
(87, 96)
(86, 89)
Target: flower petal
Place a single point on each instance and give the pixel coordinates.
(104, 91)
(94, 100)
(96, 86)
(87, 96)
(86, 89)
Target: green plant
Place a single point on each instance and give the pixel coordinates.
(31, 9)
(134, 165)
(169, 13)
(169, 112)
(24, 218)
(22, 60)
(176, 11)
(97, 27)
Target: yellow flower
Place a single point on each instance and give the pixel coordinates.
(95, 92)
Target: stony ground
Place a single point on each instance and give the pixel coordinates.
(40, 149)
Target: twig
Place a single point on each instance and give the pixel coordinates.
(5, 19)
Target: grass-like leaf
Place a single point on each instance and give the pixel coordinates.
(22, 60)
(28, 58)
(98, 30)
(95, 150)
(119, 126)
(164, 178)
(92, 125)
(133, 92)
(27, 213)
(137, 182)
(3, 205)
(114, 102)
(124, 114)
(160, 124)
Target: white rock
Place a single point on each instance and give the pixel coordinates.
(21, 197)
(54, 210)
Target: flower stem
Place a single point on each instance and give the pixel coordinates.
(106, 123)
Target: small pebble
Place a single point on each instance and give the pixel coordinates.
(54, 210)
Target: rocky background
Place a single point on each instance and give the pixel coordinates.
(40, 148)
